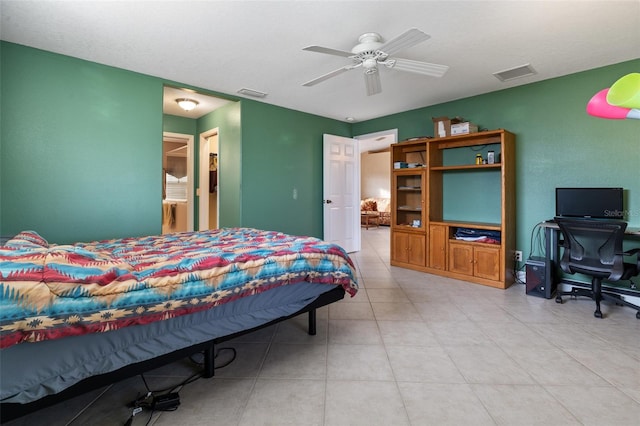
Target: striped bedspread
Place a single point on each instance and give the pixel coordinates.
(49, 292)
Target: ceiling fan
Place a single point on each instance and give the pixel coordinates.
(372, 52)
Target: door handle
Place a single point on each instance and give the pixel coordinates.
(328, 201)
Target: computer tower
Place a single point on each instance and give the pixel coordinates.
(539, 277)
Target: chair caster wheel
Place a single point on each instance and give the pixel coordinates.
(559, 299)
(597, 314)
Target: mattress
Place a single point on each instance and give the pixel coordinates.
(51, 292)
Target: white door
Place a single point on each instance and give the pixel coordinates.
(341, 191)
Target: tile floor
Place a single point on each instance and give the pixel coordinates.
(409, 349)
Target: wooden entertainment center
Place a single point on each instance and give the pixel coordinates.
(437, 188)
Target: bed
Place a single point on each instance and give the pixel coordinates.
(85, 315)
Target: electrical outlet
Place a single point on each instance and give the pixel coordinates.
(517, 256)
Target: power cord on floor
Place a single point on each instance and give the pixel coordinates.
(168, 399)
(516, 271)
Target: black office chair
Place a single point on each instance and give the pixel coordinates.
(594, 247)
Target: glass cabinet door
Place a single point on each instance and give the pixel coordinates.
(409, 200)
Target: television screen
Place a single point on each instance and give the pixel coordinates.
(599, 203)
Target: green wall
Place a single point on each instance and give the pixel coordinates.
(176, 124)
(230, 144)
(557, 143)
(81, 148)
(81, 153)
(282, 150)
(262, 160)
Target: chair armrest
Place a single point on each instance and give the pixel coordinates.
(633, 251)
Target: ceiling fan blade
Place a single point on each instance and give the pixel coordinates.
(372, 82)
(418, 67)
(330, 74)
(328, 51)
(405, 40)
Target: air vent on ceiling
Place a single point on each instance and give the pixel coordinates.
(251, 92)
(513, 73)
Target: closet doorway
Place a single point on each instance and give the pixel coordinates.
(209, 174)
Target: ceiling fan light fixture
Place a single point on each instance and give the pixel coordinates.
(370, 66)
(186, 103)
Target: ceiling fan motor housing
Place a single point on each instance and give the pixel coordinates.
(369, 43)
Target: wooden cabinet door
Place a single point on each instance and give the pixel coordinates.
(417, 246)
(438, 247)
(461, 258)
(408, 248)
(400, 247)
(487, 262)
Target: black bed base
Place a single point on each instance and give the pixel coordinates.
(10, 411)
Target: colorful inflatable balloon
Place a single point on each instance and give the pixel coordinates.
(599, 107)
(625, 92)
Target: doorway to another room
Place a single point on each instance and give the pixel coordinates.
(177, 182)
(185, 111)
(375, 178)
(349, 179)
(209, 173)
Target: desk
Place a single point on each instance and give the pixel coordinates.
(552, 255)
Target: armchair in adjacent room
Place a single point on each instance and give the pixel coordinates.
(594, 248)
(381, 205)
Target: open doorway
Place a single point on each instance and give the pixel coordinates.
(177, 182)
(181, 118)
(375, 178)
(209, 173)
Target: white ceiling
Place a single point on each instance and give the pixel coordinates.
(206, 104)
(224, 46)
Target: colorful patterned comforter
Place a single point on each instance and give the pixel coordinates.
(49, 292)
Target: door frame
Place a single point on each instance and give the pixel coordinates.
(189, 139)
(392, 133)
(203, 182)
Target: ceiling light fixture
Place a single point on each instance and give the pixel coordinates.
(187, 104)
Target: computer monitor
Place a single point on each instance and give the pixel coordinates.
(599, 203)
